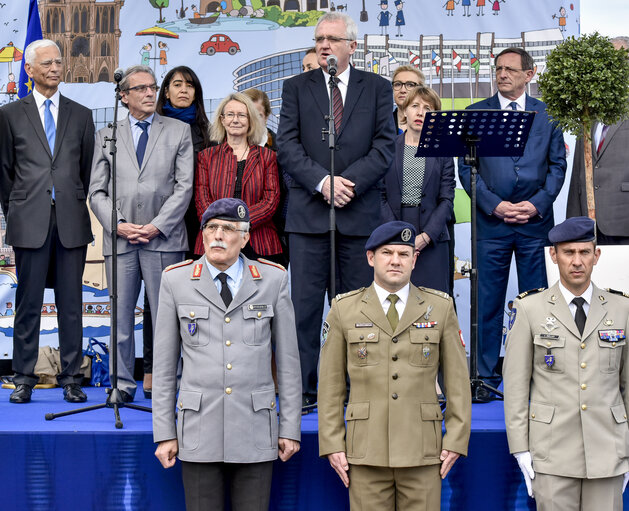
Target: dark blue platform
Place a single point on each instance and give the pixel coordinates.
(81, 462)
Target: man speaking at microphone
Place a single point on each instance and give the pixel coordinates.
(363, 151)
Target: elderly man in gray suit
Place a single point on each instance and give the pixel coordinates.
(226, 315)
(566, 375)
(154, 184)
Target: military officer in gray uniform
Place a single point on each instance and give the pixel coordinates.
(392, 338)
(225, 315)
(566, 375)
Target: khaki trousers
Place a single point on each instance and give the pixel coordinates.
(394, 489)
(556, 493)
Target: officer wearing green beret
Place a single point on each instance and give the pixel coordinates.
(391, 339)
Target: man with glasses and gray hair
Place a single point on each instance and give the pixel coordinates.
(45, 164)
(226, 315)
(154, 184)
(515, 199)
(364, 148)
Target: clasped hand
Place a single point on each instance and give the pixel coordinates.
(136, 234)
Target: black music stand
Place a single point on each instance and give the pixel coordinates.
(474, 134)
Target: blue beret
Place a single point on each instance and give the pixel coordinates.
(398, 2)
(575, 230)
(226, 209)
(392, 233)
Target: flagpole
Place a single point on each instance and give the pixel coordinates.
(470, 77)
(452, 78)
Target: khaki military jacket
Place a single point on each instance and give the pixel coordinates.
(565, 393)
(393, 415)
(226, 407)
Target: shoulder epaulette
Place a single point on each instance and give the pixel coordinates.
(349, 293)
(271, 263)
(616, 292)
(179, 265)
(530, 292)
(435, 292)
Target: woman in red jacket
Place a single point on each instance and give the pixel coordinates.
(239, 167)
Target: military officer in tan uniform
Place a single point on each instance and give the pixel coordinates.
(392, 338)
(566, 375)
(225, 315)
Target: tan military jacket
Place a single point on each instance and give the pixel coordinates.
(393, 415)
(569, 410)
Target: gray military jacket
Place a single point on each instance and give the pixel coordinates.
(226, 408)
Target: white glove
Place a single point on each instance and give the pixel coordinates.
(625, 479)
(526, 466)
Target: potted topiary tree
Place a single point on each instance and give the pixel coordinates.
(586, 80)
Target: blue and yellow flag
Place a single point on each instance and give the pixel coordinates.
(33, 32)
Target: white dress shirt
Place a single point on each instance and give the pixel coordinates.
(41, 108)
(383, 296)
(568, 296)
(505, 103)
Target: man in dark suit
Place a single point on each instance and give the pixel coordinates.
(611, 179)
(515, 207)
(45, 162)
(363, 152)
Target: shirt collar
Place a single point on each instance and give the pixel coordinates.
(133, 120)
(342, 77)
(383, 294)
(234, 272)
(568, 296)
(40, 98)
(504, 102)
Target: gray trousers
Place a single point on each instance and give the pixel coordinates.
(133, 267)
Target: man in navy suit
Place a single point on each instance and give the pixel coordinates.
(364, 150)
(515, 207)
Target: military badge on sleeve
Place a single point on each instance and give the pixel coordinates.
(324, 332)
(512, 317)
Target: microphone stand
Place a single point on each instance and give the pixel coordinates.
(114, 400)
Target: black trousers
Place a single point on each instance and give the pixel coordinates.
(248, 485)
(51, 265)
(310, 275)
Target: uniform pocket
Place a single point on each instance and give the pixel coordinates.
(610, 353)
(622, 431)
(362, 346)
(265, 422)
(550, 352)
(356, 417)
(431, 429)
(540, 430)
(424, 347)
(188, 419)
(194, 324)
(257, 325)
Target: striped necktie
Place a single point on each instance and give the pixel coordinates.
(337, 105)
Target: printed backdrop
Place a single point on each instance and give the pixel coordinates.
(237, 44)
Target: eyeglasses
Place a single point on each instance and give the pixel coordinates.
(229, 116)
(407, 85)
(331, 39)
(142, 88)
(507, 69)
(227, 228)
(48, 63)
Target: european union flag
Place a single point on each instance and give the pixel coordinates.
(33, 32)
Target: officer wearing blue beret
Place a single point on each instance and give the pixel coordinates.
(225, 315)
(391, 339)
(566, 374)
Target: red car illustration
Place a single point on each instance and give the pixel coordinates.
(219, 42)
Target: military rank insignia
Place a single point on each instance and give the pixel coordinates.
(362, 353)
(196, 273)
(192, 327)
(255, 274)
(611, 335)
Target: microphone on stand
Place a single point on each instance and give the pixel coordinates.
(332, 62)
(118, 74)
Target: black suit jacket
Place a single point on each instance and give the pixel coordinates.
(364, 150)
(28, 172)
(437, 193)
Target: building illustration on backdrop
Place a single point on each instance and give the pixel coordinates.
(88, 34)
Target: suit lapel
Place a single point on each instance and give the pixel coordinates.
(156, 130)
(251, 163)
(30, 107)
(415, 308)
(63, 117)
(248, 286)
(354, 91)
(596, 313)
(399, 167)
(372, 309)
(318, 89)
(206, 286)
(611, 131)
(124, 134)
(560, 310)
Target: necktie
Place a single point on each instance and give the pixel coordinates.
(392, 314)
(226, 294)
(51, 131)
(579, 317)
(600, 143)
(337, 105)
(513, 105)
(144, 138)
